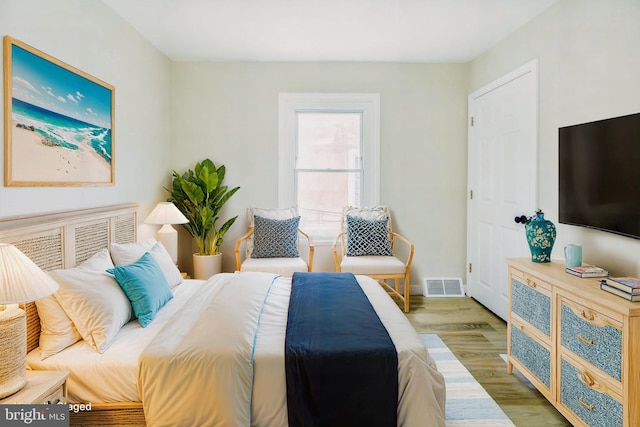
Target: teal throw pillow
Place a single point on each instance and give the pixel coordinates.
(275, 238)
(368, 237)
(145, 285)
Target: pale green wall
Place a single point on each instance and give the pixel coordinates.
(589, 69)
(229, 112)
(89, 36)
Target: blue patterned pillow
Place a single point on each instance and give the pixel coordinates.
(275, 238)
(367, 237)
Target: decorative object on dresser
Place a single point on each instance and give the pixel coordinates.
(166, 214)
(21, 281)
(624, 287)
(200, 196)
(541, 235)
(574, 343)
(573, 255)
(604, 285)
(587, 270)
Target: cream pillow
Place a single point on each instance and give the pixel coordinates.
(129, 253)
(93, 300)
(57, 331)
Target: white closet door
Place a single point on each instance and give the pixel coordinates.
(503, 128)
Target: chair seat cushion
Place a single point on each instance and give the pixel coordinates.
(282, 266)
(372, 264)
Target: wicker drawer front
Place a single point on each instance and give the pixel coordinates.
(593, 407)
(599, 345)
(531, 305)
(535, 357)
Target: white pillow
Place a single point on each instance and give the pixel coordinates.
(93, 300)
(129, 253)
(57, 331)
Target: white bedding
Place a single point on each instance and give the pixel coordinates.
(112, 376)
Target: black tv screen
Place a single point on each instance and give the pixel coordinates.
(599, 175)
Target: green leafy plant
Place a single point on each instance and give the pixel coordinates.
(200, 195)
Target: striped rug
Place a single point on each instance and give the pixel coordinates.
(468, 403)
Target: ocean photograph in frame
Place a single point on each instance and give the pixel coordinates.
(59, 122)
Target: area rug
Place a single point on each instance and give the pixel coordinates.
(468, 403)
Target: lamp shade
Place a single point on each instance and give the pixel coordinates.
(21, 280)
(166, 213)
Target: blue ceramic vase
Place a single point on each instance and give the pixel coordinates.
(541, 235)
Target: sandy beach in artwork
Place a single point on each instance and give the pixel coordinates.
(36, 161)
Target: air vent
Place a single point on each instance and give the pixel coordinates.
(442, 287)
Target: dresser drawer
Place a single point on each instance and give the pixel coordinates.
(535, 357)
(532, 303)
(581, 393)
(592, 336)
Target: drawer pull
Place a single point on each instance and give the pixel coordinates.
(589, 316)
(585, 404)
(584, 340)
(531, 284)
(586, 378)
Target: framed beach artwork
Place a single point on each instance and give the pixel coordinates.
(59, 122)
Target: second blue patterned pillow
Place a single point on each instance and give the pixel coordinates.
(275, 238)
(368, 237)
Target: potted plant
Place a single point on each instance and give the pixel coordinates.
(200, 195)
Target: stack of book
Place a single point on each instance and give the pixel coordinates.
(624, 287)
(587, 270)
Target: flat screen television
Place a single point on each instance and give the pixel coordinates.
(599, 175)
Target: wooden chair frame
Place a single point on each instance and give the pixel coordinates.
(305, 236)
(339, 251)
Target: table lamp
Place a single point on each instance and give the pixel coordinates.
(166, 213)
(21, 281)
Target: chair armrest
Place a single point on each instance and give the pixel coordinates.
(236, 249)
(338, 258)
(409, 245)
(311, 248)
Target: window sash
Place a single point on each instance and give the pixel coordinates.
(288, 174)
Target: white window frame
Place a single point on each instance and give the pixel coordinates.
(292, 103)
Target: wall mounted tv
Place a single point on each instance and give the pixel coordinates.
(599, 175)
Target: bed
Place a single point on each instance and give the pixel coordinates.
(114, 380)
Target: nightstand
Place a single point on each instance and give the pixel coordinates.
(43, 387)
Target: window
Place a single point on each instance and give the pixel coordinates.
(329, 157)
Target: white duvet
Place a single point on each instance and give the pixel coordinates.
(245, 383)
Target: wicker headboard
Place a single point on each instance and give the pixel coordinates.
(64, 239)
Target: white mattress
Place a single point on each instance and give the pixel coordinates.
(113, 375)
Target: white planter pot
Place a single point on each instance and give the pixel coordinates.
(205, 266)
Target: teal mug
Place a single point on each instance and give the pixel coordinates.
(573, 255)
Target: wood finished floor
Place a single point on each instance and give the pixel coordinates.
(477, 337)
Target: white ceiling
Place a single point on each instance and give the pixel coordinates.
(326, 30)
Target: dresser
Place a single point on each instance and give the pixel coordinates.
(578, 345)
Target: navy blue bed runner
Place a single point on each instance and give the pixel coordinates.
(341, 365)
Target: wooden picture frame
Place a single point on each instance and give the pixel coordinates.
(59, 122)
